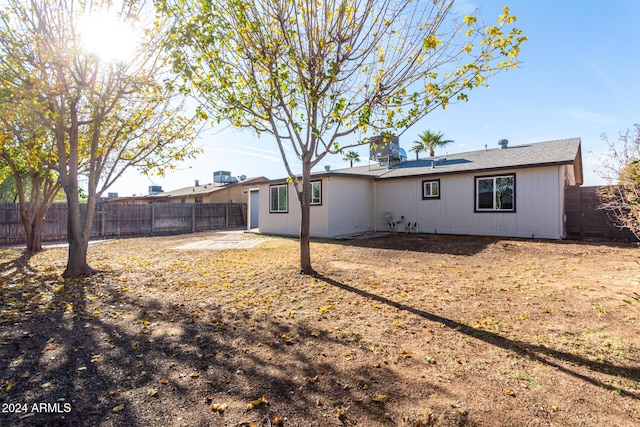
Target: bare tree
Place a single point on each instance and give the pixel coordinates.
(26, 149)
(325, 76)
(621, 168)
(104, 116)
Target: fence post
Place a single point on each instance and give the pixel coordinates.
(193, 218)
(153, 217)
(102, 220)
(226, 215)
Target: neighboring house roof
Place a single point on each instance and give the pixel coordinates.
(549, 153)
(195, 190)
(148, 198)
(204, 189)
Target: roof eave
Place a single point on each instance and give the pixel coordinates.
(314, 176)
(479, 170)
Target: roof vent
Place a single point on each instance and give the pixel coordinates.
(503, 143)
(197, 183)
(327, 168)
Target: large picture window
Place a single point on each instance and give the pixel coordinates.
(496, 193)
(278, 198)
(316, 193)
(431, 189)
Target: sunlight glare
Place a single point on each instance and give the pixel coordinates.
(108, 37)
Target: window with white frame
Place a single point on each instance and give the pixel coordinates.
(278, 198)
(496, 193)
(316, 193)
(431, 189)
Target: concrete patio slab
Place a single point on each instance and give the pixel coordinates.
(222, 242)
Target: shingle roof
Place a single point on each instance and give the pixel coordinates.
(206, 188)
(558, 152)
(197, 189)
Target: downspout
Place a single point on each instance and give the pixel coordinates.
(375, 208)
(563, 216)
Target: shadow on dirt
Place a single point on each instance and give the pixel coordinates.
(558, 359)
(164, 363)
(19, 265)
(445, 244)
(162, 360)
(431, 243)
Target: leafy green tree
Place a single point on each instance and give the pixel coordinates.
(316, 74)
(428, 141)
(105, 115)
(351, 157)
(26, 149)
(621, 168)
(7, 186)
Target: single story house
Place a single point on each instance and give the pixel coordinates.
(510, 191)
(215, 192)
(230, 191)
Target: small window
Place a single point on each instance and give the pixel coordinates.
(496, 193)
(316, 193)
(278, 198)
(198, 199)
(431, 189)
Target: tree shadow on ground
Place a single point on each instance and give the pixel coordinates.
(161, 362)
(461, 245)
(430, 243)
(559, 360)
(18, 266)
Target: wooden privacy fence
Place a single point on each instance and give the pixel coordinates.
(115, 219)
(584, 219)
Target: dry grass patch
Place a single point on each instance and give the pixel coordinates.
(407, 330)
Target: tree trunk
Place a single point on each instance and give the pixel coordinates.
(32, 217)
(77, 235)
(34, 237)
(77, 265)
(305, 219)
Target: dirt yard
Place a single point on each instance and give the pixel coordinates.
(406, 330)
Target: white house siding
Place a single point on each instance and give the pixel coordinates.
(539, 210)
(351, 205)
(288, 224)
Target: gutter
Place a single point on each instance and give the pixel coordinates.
(467, 171)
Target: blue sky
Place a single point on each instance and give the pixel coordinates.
(579, 78)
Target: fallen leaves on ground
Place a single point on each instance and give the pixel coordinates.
(219, 407)
(191, 336)
(257, 402)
